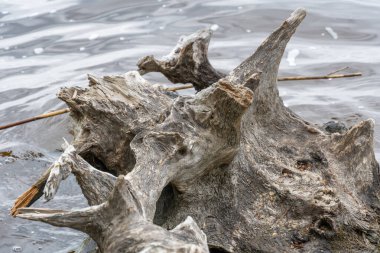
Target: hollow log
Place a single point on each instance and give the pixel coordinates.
(230, 169)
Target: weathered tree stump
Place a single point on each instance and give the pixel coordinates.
(252, 175)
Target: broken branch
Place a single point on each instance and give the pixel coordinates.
(32, 194)
(38, 117)
(298, 78)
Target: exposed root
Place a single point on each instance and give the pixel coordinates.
(253, 175)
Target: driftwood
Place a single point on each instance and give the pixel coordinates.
(230, 169)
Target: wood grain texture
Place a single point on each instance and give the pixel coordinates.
(187, 63)
(236, 169)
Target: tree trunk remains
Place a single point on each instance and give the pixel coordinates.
(235, 168)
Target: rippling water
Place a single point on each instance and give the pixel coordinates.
(45, 45)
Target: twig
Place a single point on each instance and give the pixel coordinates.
(297, 78)
(183, 87)
(41, 116)
(287, 78)
(338, 70)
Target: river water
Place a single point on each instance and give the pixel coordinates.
(45, 45)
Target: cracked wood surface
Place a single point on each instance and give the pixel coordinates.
(235, 168)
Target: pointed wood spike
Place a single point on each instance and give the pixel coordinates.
(82, 219)
(266, 60)
(267, 57)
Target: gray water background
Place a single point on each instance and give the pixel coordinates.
(45, 45)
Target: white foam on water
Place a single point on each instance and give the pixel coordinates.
(291, 58)
(214, 27)
(34, 14)
(93, 36)
(38, 50)
(332, 33)
(17, 249)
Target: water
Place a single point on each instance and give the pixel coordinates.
(46, 44)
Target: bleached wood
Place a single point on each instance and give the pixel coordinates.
(254, 176)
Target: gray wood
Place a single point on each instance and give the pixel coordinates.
(187, 63)
(235, 168)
